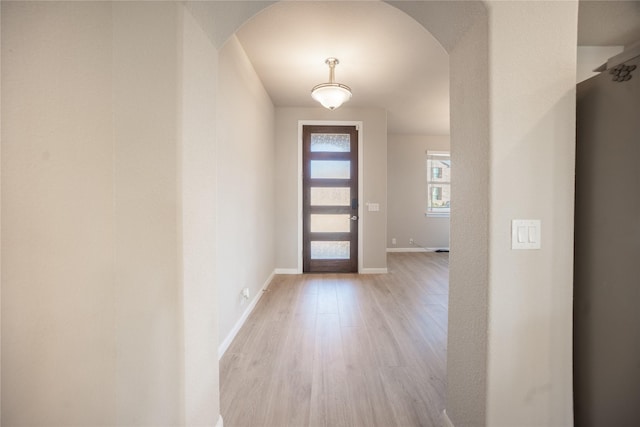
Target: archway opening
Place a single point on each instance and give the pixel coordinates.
(466, 42)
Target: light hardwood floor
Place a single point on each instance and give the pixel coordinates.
(343, 350)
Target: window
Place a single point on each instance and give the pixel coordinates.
(436, 173)
(436, 193)
(438, 183)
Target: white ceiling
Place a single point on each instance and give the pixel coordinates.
(389, 60)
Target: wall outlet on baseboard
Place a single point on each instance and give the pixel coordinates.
(245, 296)
(393, 241)
(411, 241)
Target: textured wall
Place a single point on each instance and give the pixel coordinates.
(469, 270)
(58, 299)
(145, 131)
(532, 49)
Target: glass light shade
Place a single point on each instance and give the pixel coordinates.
(331, 95)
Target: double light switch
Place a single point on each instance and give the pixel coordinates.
(525, 234)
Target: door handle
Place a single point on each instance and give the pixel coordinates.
(354, 218)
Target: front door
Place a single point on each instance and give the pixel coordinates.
(330, 199)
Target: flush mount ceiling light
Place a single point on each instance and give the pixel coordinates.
(331, 95)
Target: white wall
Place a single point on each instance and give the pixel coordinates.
(532, 177)
(407, 176)
(374, 136)
(245, 184)
(101, 262)
(197, 175)
(58, 219)
(145, 131)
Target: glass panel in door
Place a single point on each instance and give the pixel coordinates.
(330, 196)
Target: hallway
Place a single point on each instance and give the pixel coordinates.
(343, 350)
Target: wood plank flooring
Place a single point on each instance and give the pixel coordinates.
(343, 350)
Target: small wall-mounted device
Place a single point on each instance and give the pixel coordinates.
(525, 234)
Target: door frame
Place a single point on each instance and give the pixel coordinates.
(359, 126)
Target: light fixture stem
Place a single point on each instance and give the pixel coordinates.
(332, 62)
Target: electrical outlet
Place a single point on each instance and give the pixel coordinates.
(411, 242)
(393, 241)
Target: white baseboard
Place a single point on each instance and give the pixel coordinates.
(406, 250)
(222, 348)
(415, 249)
(374, 271)
(446, 422)
(220, 422)
(287, 271)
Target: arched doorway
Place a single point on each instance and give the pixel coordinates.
(462, 30)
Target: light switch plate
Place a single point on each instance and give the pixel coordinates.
(526, 234)
(374, 207)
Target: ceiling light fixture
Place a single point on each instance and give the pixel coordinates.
(331, 95)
